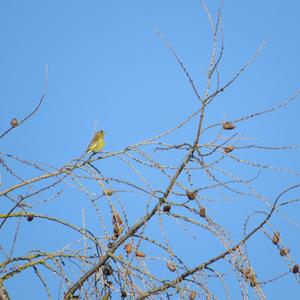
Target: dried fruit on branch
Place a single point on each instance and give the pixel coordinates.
(247, 273)
(284, 251)
(108, 192)
(191, 195)
(139, 254)
(228, 126)
(192, 295)
(171, 266)
(118, 229)
(107, 270)
(228, 149)
(276, 238)
(250, 276)
(124, 294)
(128, 248)
(30, 218)
(253, 280)
(117, 219)
(14, 122)
(202, 212)
(167, 208)
(295, 269)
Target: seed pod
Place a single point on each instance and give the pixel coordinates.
(118, 229)
(167, 208)
(30, 218)
(128, 248)
(117, 219)
(107, 192)
(171, 266)
(228, 149)
(192, 295)
(110, 245)
(253, 280)
(14, 122)
(284, 251)
(276, 238)
(191, 195)
(139, 254)
(295, 269)
(247, 273)
(228, 126)
(202, 212)
(107, 270)
(124, 294)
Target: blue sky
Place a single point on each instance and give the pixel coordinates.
(108, 69)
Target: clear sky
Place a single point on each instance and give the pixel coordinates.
(108, 69)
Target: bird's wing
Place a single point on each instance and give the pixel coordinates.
(93, 141)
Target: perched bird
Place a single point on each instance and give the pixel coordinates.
(97, 142)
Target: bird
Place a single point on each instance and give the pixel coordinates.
(97, 143)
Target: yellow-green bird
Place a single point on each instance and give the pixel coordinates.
(97, 143)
